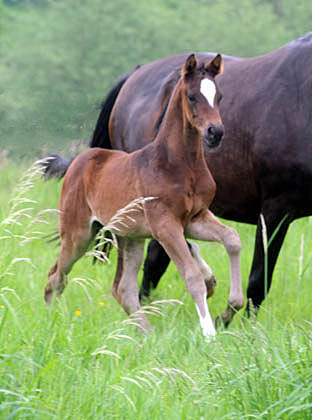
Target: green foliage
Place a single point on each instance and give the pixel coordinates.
(82, 359)
(58, 61)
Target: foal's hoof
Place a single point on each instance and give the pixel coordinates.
(141, 322)
(221, 321)
(48, 295)
(145, 328)
(210, 285)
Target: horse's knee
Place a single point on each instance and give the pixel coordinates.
(236, 302)
(232, 241)
(128, 299)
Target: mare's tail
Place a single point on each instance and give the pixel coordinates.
(100, 136)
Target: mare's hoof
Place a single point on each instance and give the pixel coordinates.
(210, 285)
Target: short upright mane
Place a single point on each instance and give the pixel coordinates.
(169, 86)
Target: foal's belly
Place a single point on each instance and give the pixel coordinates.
(132, 224)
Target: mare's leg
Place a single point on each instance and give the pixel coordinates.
(74, 243)
(169, 233)
(155, 265)
(257, 288)
(207, 227)
(125, 288)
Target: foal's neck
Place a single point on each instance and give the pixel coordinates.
(182, 141)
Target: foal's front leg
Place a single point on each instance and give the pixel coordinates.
(170, 235)
(207, 227)
(210, 279)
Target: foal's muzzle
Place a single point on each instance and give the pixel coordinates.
(213, 135)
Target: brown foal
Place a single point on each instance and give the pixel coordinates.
(172, 169)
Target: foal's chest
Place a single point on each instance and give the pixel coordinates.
(202, 188)
(199, 193)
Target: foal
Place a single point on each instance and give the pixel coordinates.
(173, 171)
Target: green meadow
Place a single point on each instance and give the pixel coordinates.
(83, 358)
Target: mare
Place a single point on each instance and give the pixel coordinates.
(264, 163)
(171, 173)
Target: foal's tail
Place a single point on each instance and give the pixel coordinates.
(100, 136)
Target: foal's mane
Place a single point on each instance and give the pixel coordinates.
(170, 85)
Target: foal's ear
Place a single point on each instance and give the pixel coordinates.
(190, 65)
(215, 66)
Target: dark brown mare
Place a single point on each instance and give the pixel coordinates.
(173, 171)
(264, 163)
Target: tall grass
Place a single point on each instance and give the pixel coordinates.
(83, 358)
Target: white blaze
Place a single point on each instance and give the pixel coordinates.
(208, 89)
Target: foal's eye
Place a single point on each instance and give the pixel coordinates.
(192, 98)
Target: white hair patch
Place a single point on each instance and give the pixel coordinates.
(206, 321)
(208, 89)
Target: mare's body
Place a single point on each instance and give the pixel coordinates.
(173, 171)
(264, 164)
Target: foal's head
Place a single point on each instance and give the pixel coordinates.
(201, 98)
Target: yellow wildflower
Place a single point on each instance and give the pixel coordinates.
(101, 303)
(78, 312)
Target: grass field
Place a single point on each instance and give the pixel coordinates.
(82, 358)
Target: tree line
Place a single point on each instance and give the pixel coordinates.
(60, 57)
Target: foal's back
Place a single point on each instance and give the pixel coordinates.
(99, 182)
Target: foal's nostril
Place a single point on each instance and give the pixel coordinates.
(211, 130)
(214, 135)
(219, 132)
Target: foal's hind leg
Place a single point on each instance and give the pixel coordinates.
(155, 265)
(125, 288)
(74, 245)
